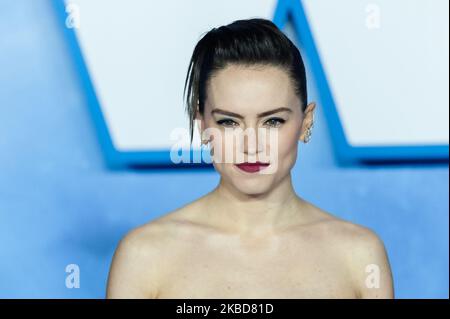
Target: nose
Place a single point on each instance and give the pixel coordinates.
(251, 142)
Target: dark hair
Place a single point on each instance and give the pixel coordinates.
(248, 42)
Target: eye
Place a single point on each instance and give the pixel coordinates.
(227, 123)
(274, 122)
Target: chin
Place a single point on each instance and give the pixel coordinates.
(252, 187)
(248, 183)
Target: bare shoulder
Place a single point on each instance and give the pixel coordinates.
(362, 250)
(134, 267)
(144, 253)
(327, 224)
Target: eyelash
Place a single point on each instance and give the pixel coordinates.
(233, 123)
(278, 119)
(226, 122)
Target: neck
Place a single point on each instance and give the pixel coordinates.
(255, 214)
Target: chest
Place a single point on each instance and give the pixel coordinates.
(257, 272)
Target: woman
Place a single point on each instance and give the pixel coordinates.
(252, 236)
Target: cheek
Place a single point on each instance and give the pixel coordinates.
(283, 149)
(286, 141)
(223, 147)
(215, 137)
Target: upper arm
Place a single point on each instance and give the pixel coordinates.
(132, 274)
(370, 267)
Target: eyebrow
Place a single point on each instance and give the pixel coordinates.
(280, 109)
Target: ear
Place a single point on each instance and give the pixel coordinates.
(308, 119)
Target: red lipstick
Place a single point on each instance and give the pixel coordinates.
(252, 167)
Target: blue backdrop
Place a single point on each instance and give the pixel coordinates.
(60, 205)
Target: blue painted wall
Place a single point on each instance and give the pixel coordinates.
(59, 204)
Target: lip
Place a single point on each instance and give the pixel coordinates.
(252, 167)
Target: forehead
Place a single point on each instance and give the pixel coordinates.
(249, 90)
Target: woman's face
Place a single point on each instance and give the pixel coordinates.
(252, 114)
